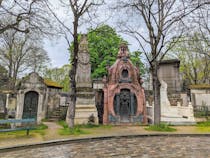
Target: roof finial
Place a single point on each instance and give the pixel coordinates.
(123, 51)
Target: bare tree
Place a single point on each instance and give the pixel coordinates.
(78, 9)
(194, 66)
(156, 25)
(24, 16)
(18, 52)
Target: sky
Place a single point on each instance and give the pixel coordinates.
(58, 48)
(57, 51)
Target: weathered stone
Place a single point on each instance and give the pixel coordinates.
(36, 97)
(124, 99)
(85, 104)
(174, 114)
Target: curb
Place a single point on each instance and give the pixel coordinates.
(78, 140)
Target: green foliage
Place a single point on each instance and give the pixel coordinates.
(103, 43)
(203, 124)
(59, 75)
(161, 127)
(70, 131)
(79, 129)
(41, 127)
(193, 51)
(63, 124)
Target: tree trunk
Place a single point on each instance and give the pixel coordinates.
(156, 93)
(71, 109)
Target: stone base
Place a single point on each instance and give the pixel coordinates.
(83, 113)
(177, 120)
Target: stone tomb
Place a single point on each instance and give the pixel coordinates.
(124, 98)
(175, 115)
(85, 104)
(36, 97)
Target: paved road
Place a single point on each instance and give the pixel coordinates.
(140, 147)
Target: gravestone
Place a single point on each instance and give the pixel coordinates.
(85, 103)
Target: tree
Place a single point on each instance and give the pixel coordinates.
(156, 26)
(24, 16)
(38, 59)
(103, 43)
(20, 52)
(78, 9)
(60, 75)
(192, 51)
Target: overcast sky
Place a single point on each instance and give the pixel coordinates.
(59, 54)
(58, 49)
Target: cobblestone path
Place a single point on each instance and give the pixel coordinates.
(139, 147)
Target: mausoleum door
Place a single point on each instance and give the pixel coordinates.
(30, 105)
(125, 105)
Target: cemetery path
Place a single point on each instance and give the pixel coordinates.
(51, 134)
(52, 131)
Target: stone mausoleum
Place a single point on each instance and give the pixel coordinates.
(124, 99)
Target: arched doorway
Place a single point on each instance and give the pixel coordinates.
(125, 105)
(30, 105)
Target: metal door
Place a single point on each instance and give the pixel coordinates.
(30, 105)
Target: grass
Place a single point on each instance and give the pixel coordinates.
(39, 129)
(70, 131)
(79, 129)
(203, 126)
(161, 128)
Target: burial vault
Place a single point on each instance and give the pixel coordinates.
(124, 98)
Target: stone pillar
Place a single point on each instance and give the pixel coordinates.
(85, 104)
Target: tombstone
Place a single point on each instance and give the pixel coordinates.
(85, 103)
(124, 98)
(176, 115)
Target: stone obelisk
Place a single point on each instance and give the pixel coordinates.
(85, 105)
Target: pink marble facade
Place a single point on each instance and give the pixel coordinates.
(116, 81)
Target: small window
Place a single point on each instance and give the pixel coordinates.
(125, 73)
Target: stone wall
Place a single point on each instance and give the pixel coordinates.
(200, 97)
(176, 114)
(169, 72)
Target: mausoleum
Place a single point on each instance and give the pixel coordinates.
(124, 98)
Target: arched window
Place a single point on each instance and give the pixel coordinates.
(125, 73)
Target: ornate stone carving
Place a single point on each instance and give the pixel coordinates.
(83, 74)
(123, 95)
(85, 104)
